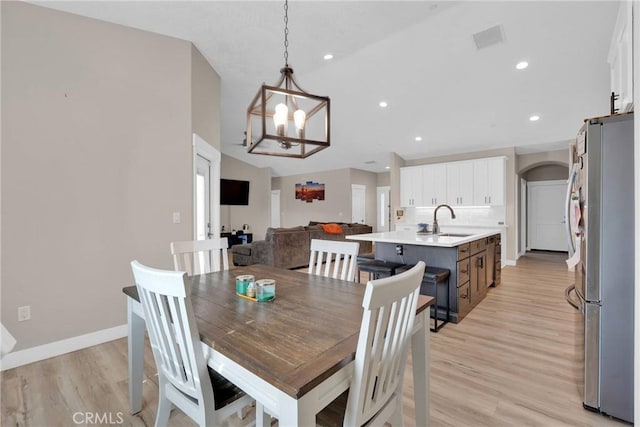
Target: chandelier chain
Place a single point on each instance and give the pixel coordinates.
(286, 33)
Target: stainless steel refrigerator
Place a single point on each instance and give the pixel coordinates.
(601, 226)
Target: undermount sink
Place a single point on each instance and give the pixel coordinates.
(454, 235)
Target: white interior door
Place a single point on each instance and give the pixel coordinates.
(275, 208)
(358, 198)
(546, 215)
(203, 198)
(382, 209)
(522, 247)
(206, 194)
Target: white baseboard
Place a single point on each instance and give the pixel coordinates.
(45, 351)
(509, 262)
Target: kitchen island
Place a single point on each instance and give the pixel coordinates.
(471, 255)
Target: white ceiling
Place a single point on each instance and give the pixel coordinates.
(420, 57)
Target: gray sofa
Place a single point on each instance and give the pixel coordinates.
(290, 247)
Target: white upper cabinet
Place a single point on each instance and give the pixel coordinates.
(488, 182)
(478, 182)
(621, 59)
(435, 184)
(460, 183)
(496, 181)
(411, 186)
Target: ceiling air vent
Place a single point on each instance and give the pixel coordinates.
(369, 162)
(489, 37)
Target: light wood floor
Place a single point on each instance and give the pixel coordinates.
(510, 362)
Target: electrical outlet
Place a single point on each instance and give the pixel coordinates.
(24, 313)
(399, 249)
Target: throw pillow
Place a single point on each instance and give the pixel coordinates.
(332, 228)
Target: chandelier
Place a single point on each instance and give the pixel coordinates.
(284, 120)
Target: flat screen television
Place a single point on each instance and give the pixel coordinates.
(234, 192)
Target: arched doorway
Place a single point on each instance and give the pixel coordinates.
(541, 210)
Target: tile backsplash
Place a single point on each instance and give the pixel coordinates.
(479, 216)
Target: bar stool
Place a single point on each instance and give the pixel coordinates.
(434, 276)
(361, 259)
(378, 268)
(365, 258)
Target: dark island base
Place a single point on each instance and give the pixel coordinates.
(473, 268)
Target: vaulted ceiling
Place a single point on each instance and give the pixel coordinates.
(418, 56)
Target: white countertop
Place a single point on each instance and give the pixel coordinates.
(454, 226)
(413, 238)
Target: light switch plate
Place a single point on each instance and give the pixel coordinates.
(176, 217)
(24, 313)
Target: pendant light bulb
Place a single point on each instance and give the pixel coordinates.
(299, 117)
(280, 119)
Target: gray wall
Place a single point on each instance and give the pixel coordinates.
(384, 179)
(337, 204)
(96, 156)
(524, 162)
(258, 213)
(547, 173)
(335, 207)
(205, 96)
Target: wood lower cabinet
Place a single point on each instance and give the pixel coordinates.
(464, 300)
(475, 268)
(463, 293)
(491, 260)
(478, 271)
(478, 277)
(497, 270)
(463, 271)
(472, 275)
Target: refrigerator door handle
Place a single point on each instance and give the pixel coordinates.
(570, 300)
(568, 207)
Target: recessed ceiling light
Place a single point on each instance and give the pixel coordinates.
(534, 118)
(383, 104)
(418, 138)
(522, 65)
(387, 167)
(328, 56)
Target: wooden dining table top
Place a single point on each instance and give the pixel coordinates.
(294, 342)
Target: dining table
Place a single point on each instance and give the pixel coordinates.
(295, 354)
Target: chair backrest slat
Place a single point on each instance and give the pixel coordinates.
(183, 376)
(387, 322)
(339, 259)
(172, 328)
(200, 256)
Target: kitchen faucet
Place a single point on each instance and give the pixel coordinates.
(436, 227)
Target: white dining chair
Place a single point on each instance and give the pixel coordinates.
(343, 254)
(375, 394)
(184, 380)
(200, 256)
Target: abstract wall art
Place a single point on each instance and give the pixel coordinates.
(310, 191)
